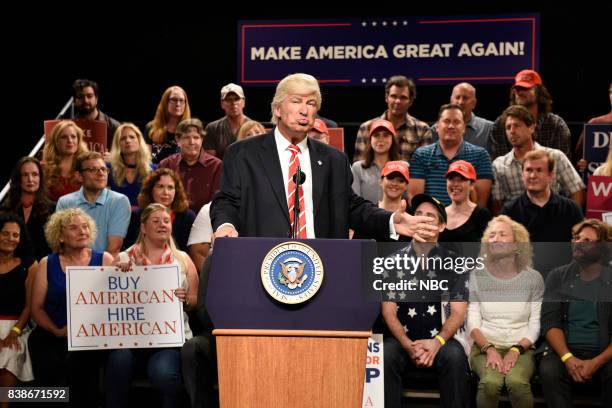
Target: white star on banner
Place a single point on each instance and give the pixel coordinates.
(400, 274)
(405, 328)
(402, 296)
(391, 294)
(412, 312)
(431, 274)
(434, 332)
(431, 310)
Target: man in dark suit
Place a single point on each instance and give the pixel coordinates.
(257, 190)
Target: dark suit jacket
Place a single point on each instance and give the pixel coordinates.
(253, 198)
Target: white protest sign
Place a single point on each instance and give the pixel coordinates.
(374, 388)
(110, 309)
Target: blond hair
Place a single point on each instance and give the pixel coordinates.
(524, 255)
(52, 157)
(143, 157)
(247, 127)
(61, 218)
(302, 84)
(144, 216)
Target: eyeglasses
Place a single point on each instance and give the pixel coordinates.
(176, 101)
(102, 170)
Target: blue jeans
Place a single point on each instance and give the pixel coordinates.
(163, 369)
(450, 364)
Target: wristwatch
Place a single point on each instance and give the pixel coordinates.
(520, 348)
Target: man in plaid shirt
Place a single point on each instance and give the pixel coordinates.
(400, 93)
(507, 169)
(550, 130)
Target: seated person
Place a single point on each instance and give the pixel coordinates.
(504, 314)
(424, 329)
(577, 318)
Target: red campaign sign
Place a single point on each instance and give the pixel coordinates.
(599, 196)
(94, 132)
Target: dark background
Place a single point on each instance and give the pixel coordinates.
(135, 57)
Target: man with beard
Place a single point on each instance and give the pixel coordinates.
(577, 318)
(550, 130)
(507, 169)
(85, 94)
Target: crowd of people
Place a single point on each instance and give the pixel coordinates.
(162, 194)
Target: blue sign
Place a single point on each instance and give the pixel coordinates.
(358, 52)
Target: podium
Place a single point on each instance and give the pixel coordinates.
(272, 354)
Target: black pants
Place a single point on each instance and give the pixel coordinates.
(55, 366)
(557, 383)
(200, 370)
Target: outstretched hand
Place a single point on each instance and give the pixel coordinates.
(419, 227)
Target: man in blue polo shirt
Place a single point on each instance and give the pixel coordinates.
(110, 210)
(429, 163)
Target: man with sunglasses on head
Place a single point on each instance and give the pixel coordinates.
(110, 210)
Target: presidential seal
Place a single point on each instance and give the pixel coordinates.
(292, 272)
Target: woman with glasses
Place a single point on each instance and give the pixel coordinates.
(172, 109)
(382, 148)
(28, 199)
(62, 148)
(163, 186)
(130, 162)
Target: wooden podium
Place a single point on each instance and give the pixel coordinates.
(286, 368)
(274, 355)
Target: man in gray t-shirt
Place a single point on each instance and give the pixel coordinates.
(222, 132)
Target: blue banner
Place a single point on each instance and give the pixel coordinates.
(360, 52)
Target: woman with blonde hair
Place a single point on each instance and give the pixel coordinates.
(130, 162)
(154, 246)
(504, 314)
(250, 128)
(70, 234)
(171, 110)
(62, 148)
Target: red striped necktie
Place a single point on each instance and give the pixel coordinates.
(294, 163)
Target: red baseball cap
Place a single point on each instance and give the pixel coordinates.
(463, 168)
(527, 78)
(320, 126)
(382, 123)
(396, 167)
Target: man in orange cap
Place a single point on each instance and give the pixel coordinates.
(319, 131)
(551, 130)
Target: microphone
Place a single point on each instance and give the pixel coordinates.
(302, 177)
(298, 178)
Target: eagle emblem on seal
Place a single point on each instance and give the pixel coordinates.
(292, 273)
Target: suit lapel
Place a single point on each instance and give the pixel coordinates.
(271, 164)
(318, 163)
